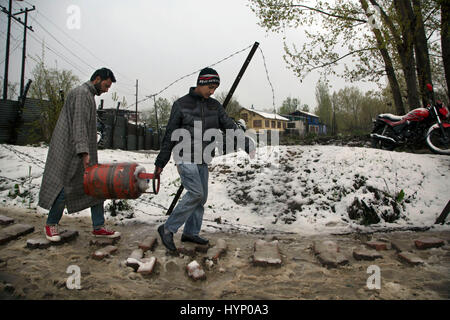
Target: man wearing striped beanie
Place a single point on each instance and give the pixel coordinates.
(197, 108)
(207, 82)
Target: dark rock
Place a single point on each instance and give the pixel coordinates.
(377, 245)
(426, 243)
(361, 254)
(14, 231)
(6, 220)
(68, 235)
(410, 258)
(38, 243)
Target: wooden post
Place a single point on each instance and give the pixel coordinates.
(444, 214)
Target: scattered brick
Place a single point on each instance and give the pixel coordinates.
(6, 220)
(137, 254)
(148, 243)
(39, 243)
(144, 265)
(266, 253)
(104, 252)
(410, 258)
(133, 263)
(14, 231)
(426, 243)
(195, 271)
(147, 266)
(369, 255)
(217, 251)
(328, 254)
(377, 245)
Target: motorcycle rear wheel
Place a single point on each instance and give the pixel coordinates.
(435, 141)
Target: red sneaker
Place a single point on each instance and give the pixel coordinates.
(105, 233)
(52, 233)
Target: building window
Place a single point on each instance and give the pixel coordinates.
(257, 123)
(267, 122)
(245, 117)
(284, 125)
(278, 124)
(273, 124)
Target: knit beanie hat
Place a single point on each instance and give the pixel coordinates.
(208, 76)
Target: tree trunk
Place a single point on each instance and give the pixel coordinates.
(445, 41)
(405, 49)
(388, 65)
(421, 49)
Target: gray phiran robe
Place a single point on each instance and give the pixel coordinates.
(75, 133)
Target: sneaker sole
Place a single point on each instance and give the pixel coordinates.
(52, 239)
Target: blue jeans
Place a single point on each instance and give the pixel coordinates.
(57, 209)
(189, 210)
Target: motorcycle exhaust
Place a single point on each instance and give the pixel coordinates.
(377, 136)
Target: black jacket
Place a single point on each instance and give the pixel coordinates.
(193, 107)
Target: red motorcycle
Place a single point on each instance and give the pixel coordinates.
(430, 124)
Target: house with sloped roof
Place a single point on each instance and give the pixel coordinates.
(261, 120)
(306, 122)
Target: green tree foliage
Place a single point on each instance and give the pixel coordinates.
(50, 84)
(13, 89)
(163, 108)
(360, 40)
(324, 106)
(349, 110)
(289, 105)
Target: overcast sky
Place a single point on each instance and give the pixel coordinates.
(158, 42)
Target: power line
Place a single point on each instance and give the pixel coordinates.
(190, 74)
(82, 46)
(71, 51)
(41, 41)
(268, 79)
(15, 48)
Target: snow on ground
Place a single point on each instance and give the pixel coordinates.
(299, 189)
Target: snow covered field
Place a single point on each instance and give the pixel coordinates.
(301, 189)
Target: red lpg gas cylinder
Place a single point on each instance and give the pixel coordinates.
(117, 181)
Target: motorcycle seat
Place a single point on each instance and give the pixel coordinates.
(390, 117)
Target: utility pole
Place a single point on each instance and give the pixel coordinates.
(137, 137)
(10, 15)
(8, 32)
(24, 46)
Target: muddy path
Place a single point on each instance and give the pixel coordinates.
(41, 273)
